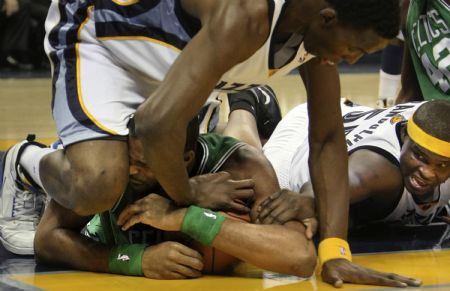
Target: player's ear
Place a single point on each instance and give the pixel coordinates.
(189, 157)
(403, 131)
(328, 15)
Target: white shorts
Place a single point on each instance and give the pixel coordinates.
(289, 141)
(100, 81)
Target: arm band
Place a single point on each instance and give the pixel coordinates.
(334, 248)
(126, 259)
(203, 225)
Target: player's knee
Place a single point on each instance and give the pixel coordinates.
(97, 191)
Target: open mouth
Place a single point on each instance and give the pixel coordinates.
(418, 184)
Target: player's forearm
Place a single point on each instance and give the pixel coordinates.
(277, 248)
(163, 150)
(329, 175)
(66, 247)
(328, 152)
(410, 89)
(58, 241)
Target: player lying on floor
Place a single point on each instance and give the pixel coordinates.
(399, 163)
(145, 251)
(279, 248)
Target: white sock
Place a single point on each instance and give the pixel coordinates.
(30, 159)
(388, 87)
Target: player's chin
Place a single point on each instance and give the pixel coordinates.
(416, 189)
(139, 188)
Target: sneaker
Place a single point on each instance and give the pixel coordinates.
(20, 204)
(268, 113)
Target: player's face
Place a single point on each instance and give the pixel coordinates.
(422, 170)
(336, 43)
(141, 178)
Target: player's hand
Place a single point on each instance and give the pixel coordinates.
(218, 191)
(171, 260)
(153, 210)
(338, 271)
(284, 206)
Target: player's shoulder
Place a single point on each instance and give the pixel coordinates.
(256, 9)
(372, 175)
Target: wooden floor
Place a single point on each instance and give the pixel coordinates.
(412, 264)
(25, 103)
(423, 253)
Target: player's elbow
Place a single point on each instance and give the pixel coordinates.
(42, 245)
(303, 263)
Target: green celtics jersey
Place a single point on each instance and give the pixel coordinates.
(214, 151)
(428, 36)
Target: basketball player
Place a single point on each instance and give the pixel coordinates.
(271, 247)
(399, 163)
(278, 248)
(109, 56)
(426, 69)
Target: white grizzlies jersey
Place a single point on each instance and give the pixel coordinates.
(109, 56)
(408, 212)
(365, 128)
(148, 36)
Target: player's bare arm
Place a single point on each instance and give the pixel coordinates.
(410, 89)
(279, 248)
(230, 33)
(373, 176)
(370, 176)
(58, 241)
(328, 153)
(329, 175)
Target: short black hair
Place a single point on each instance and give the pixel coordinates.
(383, 16)
(433, 117)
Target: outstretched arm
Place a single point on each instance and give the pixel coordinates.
(276, 248)
(279, 248)
(370, 176)
(328, 165)
(328, 152)
(231, 32)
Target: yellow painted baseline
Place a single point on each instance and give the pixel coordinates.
(433, 267)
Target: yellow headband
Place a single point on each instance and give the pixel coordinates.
(425, 140)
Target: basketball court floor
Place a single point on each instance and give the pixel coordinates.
(421, 252)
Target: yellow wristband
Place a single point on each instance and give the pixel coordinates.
(334, 248)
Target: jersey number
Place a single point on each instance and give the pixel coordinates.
(441, 75)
